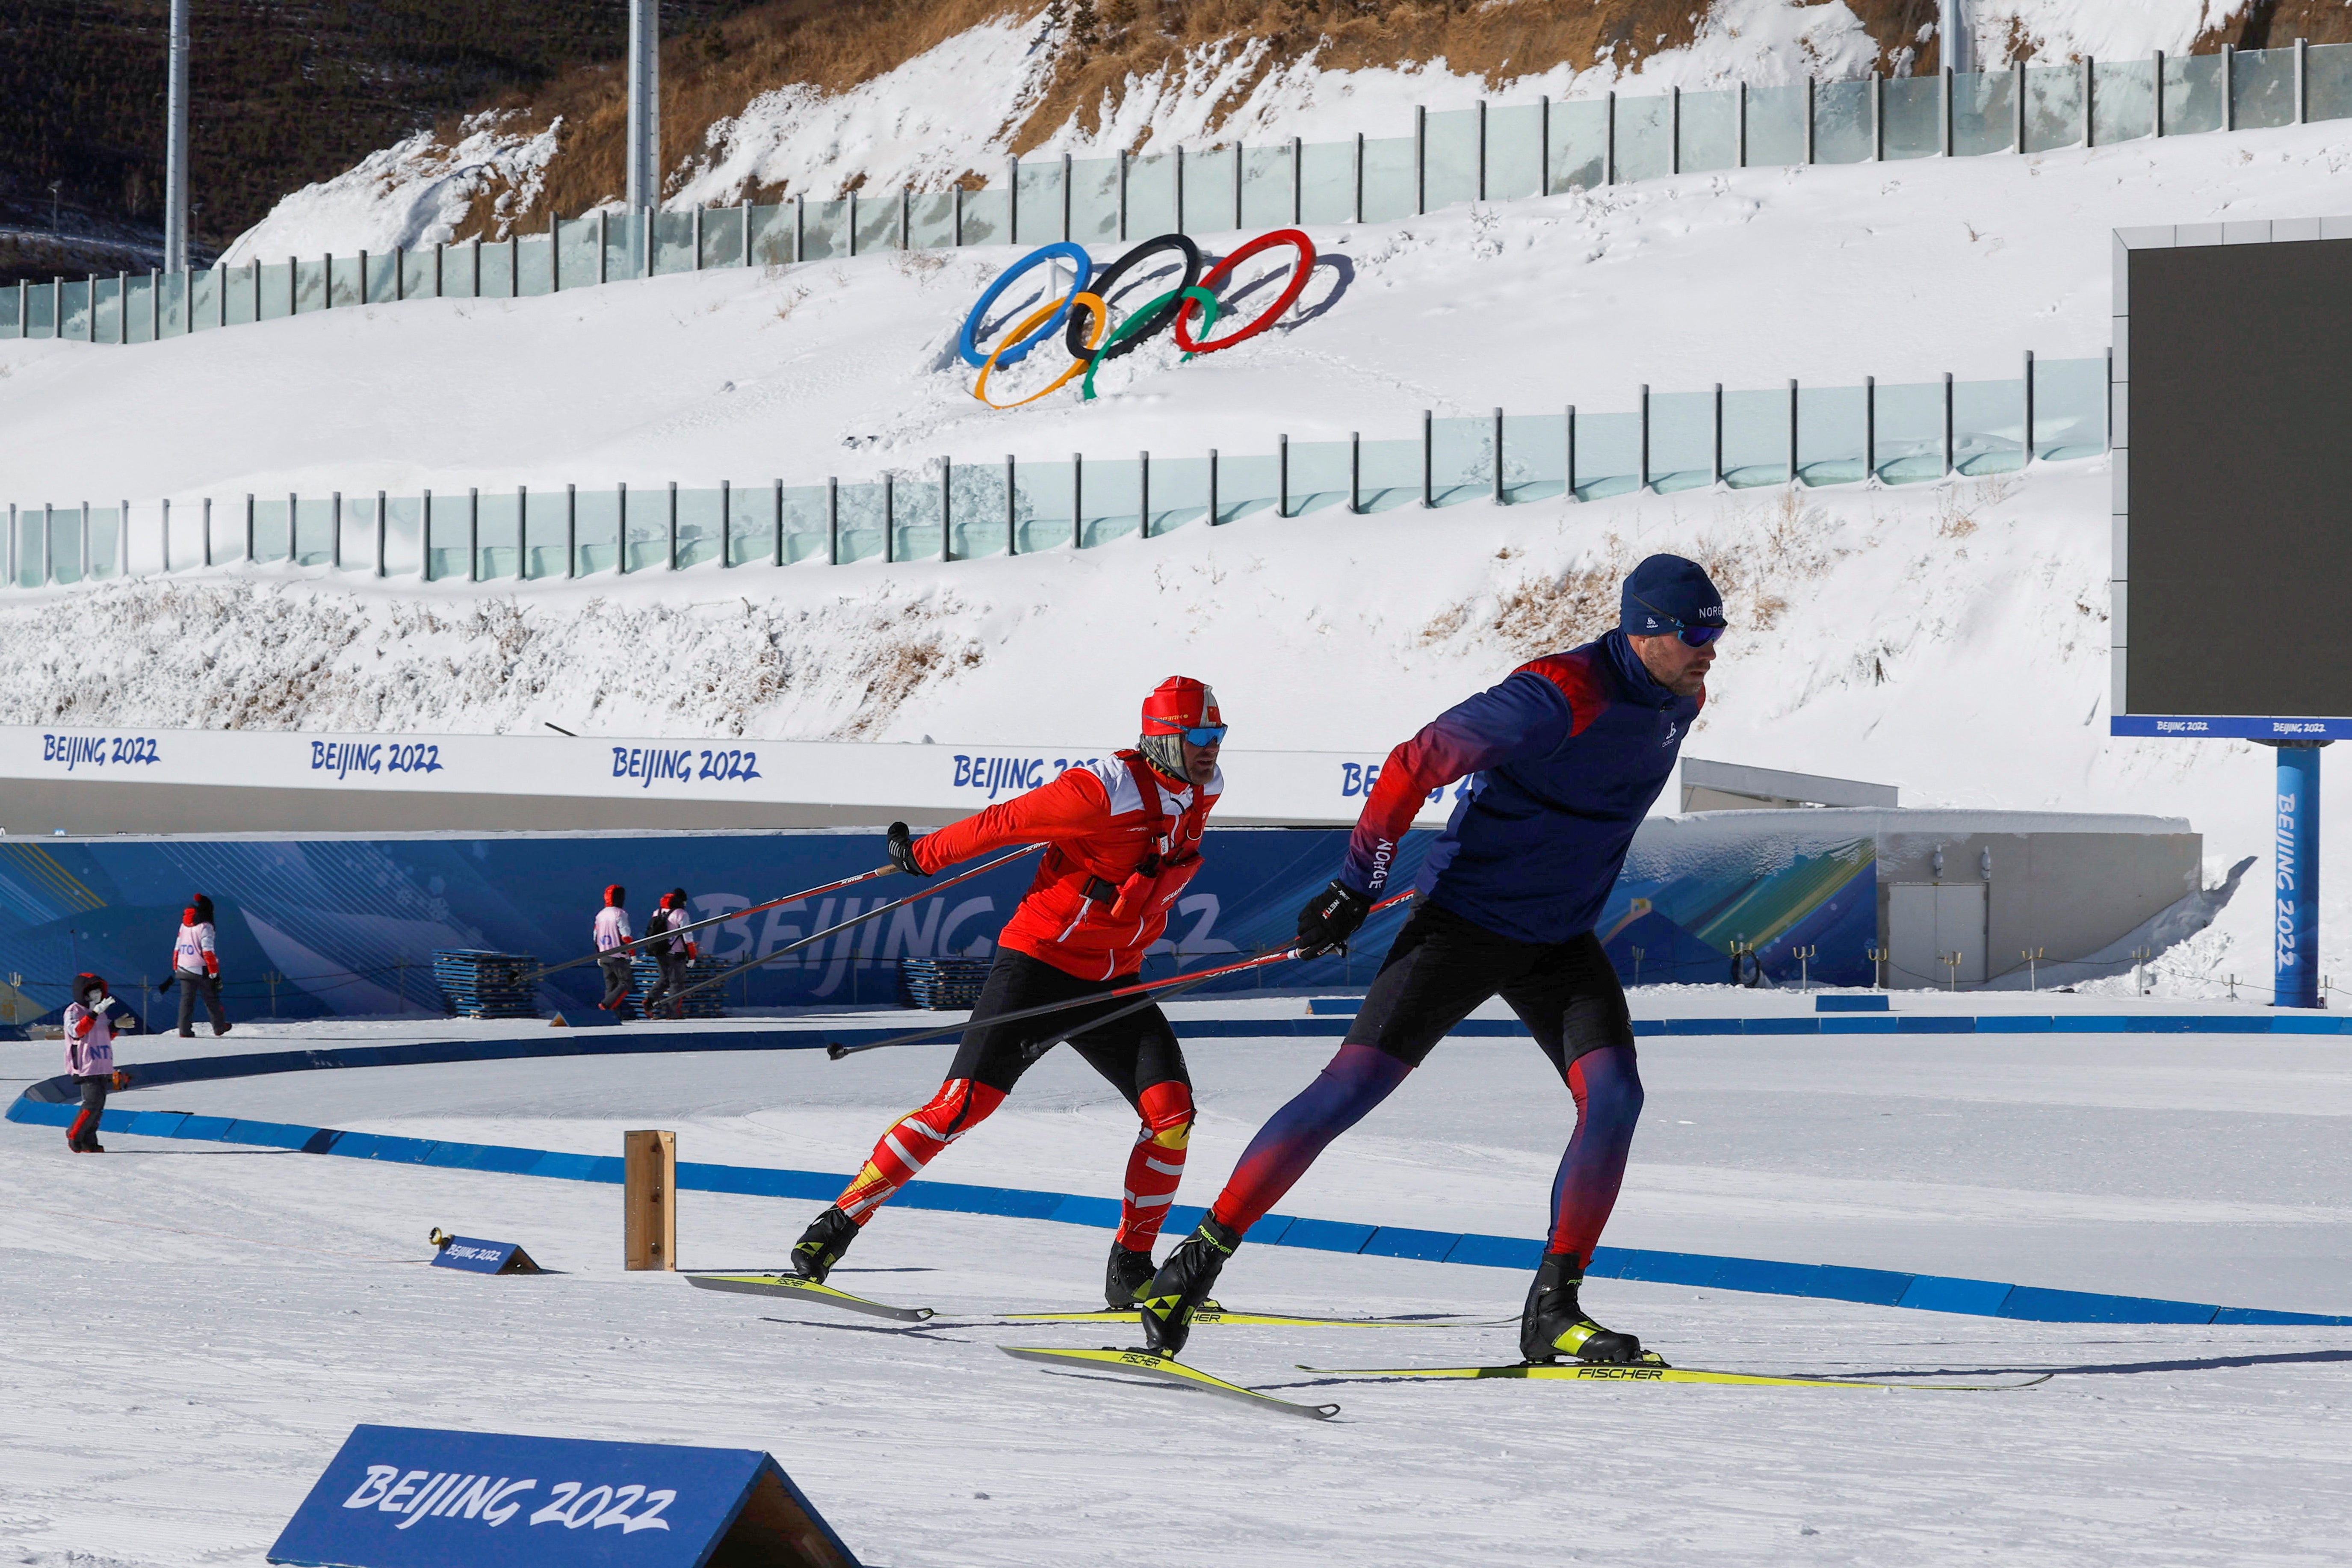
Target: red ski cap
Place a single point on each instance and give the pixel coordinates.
(1180, 703)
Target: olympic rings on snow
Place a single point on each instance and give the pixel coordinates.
(1017, 348)
(1288, 297)
(1093, 306)
(1157, 314)
(1101, 342)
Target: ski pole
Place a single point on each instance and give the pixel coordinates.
(638, 942)
(1147, 990)
(726, 974)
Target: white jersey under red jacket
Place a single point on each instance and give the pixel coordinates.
(1114, 862)
(193, 951)
(612, 929)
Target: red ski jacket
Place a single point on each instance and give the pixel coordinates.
(1121, 842)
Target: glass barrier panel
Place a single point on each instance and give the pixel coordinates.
(74, 315)
(1319, 476)
(1831, 435)
(701, 526)
(1984, 113)
(647, 536)
(987, 215)
(534, 266)
(311, 285)
(1179, 491)
(1388, 178)
(1913, 110)
(344, 281)
(102, 526)
(575, 253)
(976, 511)
(1535, 456)
(108, 319)
(1247, 486)
(596, 530)
(1450, 158)
(1094, 200)
(722, 237)
(1150, 196)
(2327, 82)
(2053, 107)
(1267, 191)
(404, 553)
(2262, 88)
(354, 533)
(238, 297)
(2123, 100)
(1710, 131)
(877, 222)
(498, 536)
(10, 327)
(314, 532)
(1909, 427)
(1109, 500)
(183, 541)
(190, 300)
(272, 530)
(824, 231)
(416, 274)
(1755, 438)
(930, 221)
(381, 285)
(2069, 404)
(138, 308)
(1645, 144)
(806, 534)
(1037, 193)
(1327, 181)
(1776, 125)
(544, 528)
(29, 546)
(65, 546)
(462, 271)
(862, 514)
(1515, 147)
(1579, 144)
(1608, 453)
(673, 243)
(445, 543)
(915, 517)
(752, 511)
(2192, 94)
(1682, 441)
(1842, 127)
(625, 246)
(41, 313)
(1388, 475)
(1461, 461)
(1211, 190)
(772, 235)
(1987, 420)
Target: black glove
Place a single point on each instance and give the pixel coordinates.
(1331, 917)
(902, 851)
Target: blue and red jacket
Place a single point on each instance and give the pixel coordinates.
(1569, 754)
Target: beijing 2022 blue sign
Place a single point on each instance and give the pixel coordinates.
(411, 1497)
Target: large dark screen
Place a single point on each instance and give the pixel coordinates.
(2240, 558)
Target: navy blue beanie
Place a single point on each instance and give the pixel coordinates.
(1664, 593)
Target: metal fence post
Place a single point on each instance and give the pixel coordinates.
(1420, 159)
(1238, 175)
(473, 535)
(571, 531)
(522, 533)
(956, 219)
(2302, 81)
(1012, 509)
(1358, 177)
(726, 524)
(1743, 125)
(1122, 194)
(2228, 87)
(2029, 409)
(947, 508)
(1355, 473)
(1078, 501)
(799, 225)
(2017, 107)
(1877, 118)
(1482, 151)
(1180, 190)
(207, 524)
(1213, 518)
(1298, 181)
(2090, 116)
(1428, 459)
(1645, 435)
(604, 246)
(620, 527)
(1282, 475)
(1794, 472)
(48, 523)
(1947, 423)
(1809, 120)
(1609, 143)
(248, 526)
(1717, 466)
(293, 534)
(2160, 93)
(833, 521)
(1869, 429)
(1673, 130)
(1143, 495)
(167, 531)
(1065, 198)
(889, 518)
(672, 525)
(1543, 145)
(335, 527)
(852, 223)
(905, 216)
(1013, 200)
(1569, 492)
(1498, 457)
(1945, 130)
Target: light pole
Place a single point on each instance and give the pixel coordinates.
(645, 105)
(175, 143)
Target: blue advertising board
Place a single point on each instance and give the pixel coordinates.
(413, 1496)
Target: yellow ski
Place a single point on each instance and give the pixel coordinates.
(1657, 1371)
(1143, 1363)
(793, 1285)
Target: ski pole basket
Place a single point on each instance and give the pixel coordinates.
(941, 982)
(479, 984)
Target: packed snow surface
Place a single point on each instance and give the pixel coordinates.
(203, 1323)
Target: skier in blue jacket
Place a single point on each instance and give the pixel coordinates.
(1567, 756)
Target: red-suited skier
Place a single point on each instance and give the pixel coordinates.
(1123, 837)
(1566, 756)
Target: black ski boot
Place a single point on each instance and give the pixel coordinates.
(1167, 1304)
(1553, 1324)
(1128, 1273)
(822, 1245)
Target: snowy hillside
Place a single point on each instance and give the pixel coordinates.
(963, 105)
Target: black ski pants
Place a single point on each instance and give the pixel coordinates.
(616, 969)
(671, 981)
(1132, 1053)
(1443, 966)
(191, 987)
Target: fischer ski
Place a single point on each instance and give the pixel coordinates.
(1212, 1313)
(1144, 1363)
(1658, 1371)
(809, 1290)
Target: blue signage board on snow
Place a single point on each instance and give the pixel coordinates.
(411, 1497)
(480, 1256)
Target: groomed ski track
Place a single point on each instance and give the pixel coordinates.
(216, 1331)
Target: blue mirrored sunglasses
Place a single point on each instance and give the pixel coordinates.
(1206, 735)
(1699, 637)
